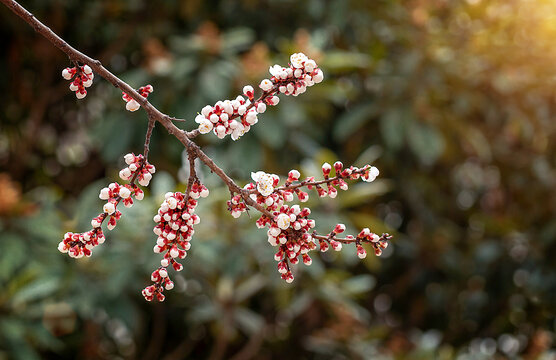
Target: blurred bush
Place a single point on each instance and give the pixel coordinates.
(453, 101)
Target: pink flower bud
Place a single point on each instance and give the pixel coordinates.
(340, 228)
(338, 166)
(249, 91)
(361, 253)
(293, 175)
(66, 74)
(266, 85)
(326, 169)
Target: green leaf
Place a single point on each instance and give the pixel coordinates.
(361, 193)
(40, 288)
(359, 284)
(184, 67)
(214, 80)
(343, 61)
(237, 39)
(12, 254)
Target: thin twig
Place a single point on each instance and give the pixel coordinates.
(146, 147)
(314, 182)
(191, 156)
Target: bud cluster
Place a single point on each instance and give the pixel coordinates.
(79, 244)
(82, 78)
(365, 236)
(132, 104)
(221, 118)
(379, 243)
(301, 73)
(137, 169)
(289, 227)
(113, 194)
(175, 219)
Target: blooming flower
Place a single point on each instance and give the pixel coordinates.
(298, 59)
(283, 221)
(265, 182)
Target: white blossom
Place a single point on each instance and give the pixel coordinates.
(265, 182)
(124, 192)
(205, 126)
(298, 59)
(66, 74)
(104, 194)
(129, 158)
(266, 85)
(109, 208)
(132, 105)
(283, 221)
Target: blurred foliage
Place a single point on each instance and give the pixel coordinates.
(452, 100)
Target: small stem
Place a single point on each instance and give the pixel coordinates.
(152, 123)
(327, 238)
(191, 156)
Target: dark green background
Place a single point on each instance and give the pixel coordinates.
(453, 101)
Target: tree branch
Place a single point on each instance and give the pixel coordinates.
(153, 113)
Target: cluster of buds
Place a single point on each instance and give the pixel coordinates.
(289, 227)
(81, 76)
(138, 169)
(175, 219)
(236, 206)
(379, 243)
(301, 73)
(113, 194)
(328, 186)
(290, 231)
(364, 237)
(80, 244)
(132, 104)
(235, 117)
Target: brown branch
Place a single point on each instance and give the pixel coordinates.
(352, 240)
(152, 112)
